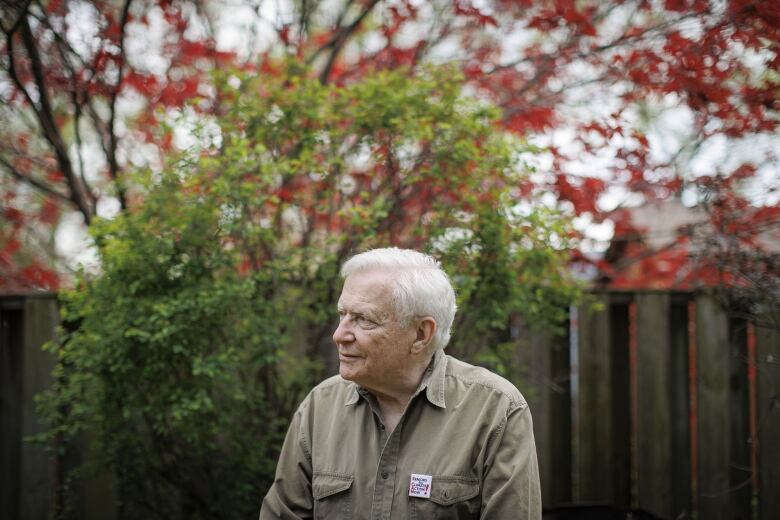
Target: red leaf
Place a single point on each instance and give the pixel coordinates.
(284, 34)
(11, 246)
(529, 119)
(55, 176)
(38, 276)
(50, 212)
(470, 11)
(14, 216)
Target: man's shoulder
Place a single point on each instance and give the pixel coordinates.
(332, 384)
(483, 378)
(332, 390)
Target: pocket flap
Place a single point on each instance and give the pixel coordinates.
(327, 484)
(450, 490)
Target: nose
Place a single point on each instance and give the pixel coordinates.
(343, 333)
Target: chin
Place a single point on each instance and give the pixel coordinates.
(347, 374)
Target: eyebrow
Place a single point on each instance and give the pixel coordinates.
(367, 313)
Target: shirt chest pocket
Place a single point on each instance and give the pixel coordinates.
(451, 498)
(332, 495)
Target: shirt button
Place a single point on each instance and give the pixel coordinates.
(385, 474)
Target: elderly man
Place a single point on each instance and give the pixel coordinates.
(404, 430)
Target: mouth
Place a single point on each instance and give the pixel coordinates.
(347, 357)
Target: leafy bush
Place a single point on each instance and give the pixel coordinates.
(212, 314)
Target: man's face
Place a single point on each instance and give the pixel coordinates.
(374, 347)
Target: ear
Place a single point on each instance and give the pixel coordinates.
(426, 328)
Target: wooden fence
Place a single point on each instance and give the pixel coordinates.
(658, 402)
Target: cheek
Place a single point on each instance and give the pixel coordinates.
(375, 344)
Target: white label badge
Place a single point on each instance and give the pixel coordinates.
(420, 486)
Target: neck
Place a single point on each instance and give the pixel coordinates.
(393, 401)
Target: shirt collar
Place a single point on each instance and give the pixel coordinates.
(432, 382)
(352, 394)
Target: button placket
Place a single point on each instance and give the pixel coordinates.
(385, 483)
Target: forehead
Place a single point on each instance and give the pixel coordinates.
(370, 289)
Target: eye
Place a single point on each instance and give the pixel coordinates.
(365, 323)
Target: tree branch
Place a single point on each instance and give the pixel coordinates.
(339, 39)
(64, 49)
(329, 43)
(45, 114)
(39, 185)
(113, 164)
(303, 22)
(8, 7)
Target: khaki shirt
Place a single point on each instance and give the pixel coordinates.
(467, 428)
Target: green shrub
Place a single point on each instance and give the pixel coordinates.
(213, 310)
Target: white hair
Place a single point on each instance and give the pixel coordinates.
(420, 287)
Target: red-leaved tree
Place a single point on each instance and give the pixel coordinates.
(94, 83)
(71, 73)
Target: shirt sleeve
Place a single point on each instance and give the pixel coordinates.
(290, 496)
(510, 487)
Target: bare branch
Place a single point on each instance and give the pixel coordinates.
(64, 49)
(106, 129)
(113, 164)
(35, 183)
(624, 39)
(303, 22)
(339, 22)
(343, 14)
(80, 155)
(45, 114)
(15, 77)
(339, 39)
(12, 14)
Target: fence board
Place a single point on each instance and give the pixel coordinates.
(537, 362)
(739, 406)
(37, 471)
(768, 383)
(593, 456)
(10, 409)
(532, 352)
(713, 405)
(621, 404)
(540, 354)
(654, 431)
(680, 410)
(560, 423)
